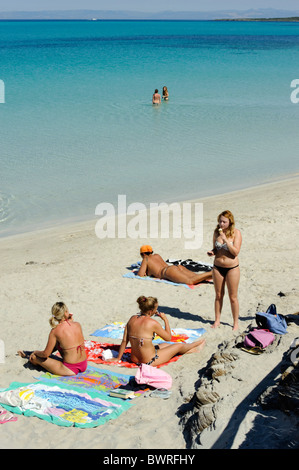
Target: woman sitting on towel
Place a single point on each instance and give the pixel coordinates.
(66, 336)
(141, 330)
(227, 242)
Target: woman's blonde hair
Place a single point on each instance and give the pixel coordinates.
(231, 227)
(58, 311)
(146, 303)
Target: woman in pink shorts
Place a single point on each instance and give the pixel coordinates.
(66, 336)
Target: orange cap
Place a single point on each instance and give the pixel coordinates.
(146, 249)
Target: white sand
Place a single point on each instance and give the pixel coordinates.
(71, 264)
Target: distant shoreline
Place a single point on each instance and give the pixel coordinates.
(278, 20)
(293, 19)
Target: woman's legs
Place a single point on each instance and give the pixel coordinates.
(167, 351)
(232, 282)
(219, 284)
(51, 365)
(183, 275)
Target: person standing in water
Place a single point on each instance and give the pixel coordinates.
(156, 97)
(165, 94)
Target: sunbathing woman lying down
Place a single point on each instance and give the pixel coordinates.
(154, 265)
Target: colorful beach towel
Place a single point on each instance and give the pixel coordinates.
(115, 330)
(95, 351)
(101, 380)
(61, 404)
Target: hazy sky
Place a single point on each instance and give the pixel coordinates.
(146, 5)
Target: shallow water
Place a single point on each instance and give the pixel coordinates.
(78, 127)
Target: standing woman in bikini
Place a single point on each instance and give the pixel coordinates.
(140, 332)
(227, 242)
(66, 336)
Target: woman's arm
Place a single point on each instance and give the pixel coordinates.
(164, 333)
(49, 348)
(212, 252)
(123, 345)
(143, 267)
(236, 247)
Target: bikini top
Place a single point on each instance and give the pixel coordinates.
(220, 246)
(78, 348)
(141, 340)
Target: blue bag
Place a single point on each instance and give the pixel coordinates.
(271, 321)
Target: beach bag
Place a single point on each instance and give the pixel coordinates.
(271, 320)
(152, 376)
(258, 337)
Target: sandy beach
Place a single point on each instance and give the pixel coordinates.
(69, 263)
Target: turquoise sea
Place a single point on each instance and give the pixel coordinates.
(77, 126)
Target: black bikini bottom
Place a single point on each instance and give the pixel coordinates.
(223, 271)
(155, 356)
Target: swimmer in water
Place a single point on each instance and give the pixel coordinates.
(156, 97)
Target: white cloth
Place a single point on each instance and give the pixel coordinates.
(108, 354)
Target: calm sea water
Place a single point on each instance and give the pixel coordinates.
(78, 127)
